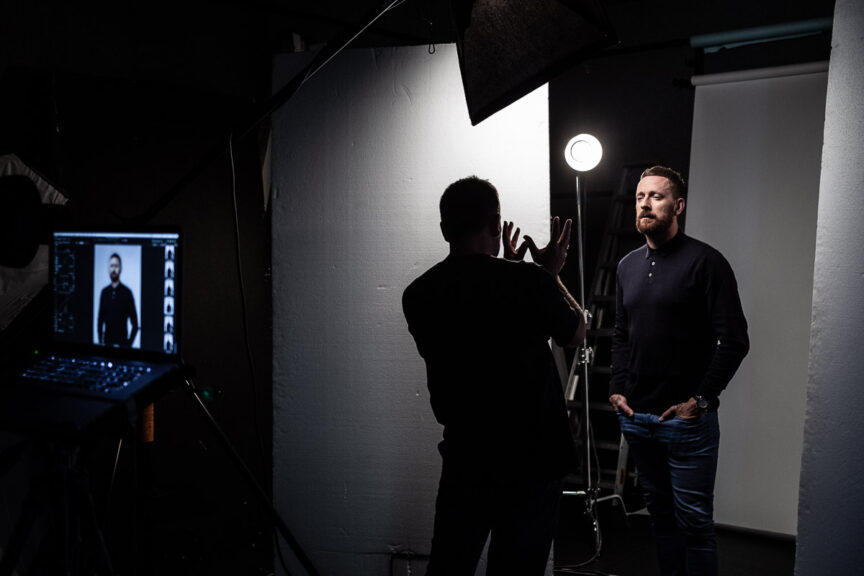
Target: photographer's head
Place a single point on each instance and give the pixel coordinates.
(471, 217)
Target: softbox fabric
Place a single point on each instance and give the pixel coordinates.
(19, 286)
(507, 48)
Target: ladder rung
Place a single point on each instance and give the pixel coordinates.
(596, 406)
(601, 406)
(601, 369)
(607, 481)
(600, 332)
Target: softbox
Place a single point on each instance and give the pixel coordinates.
(507, 48)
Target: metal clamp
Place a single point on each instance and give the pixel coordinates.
(584, 355)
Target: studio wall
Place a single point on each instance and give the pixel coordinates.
(361, 156)
(831, 503)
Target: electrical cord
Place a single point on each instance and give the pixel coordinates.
(279, 552)
(429, 19)
(248, 348)
(390, 5)
(113, 476)
(591, 507)
(244, 309)
(577, 569)
(407, 556)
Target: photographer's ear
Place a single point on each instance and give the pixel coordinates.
(495, 225)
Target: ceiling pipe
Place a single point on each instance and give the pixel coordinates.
(731, 39)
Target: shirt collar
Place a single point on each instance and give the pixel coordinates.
(667, 247)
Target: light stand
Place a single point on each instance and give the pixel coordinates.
(583, 153)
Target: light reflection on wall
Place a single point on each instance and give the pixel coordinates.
(360, 158)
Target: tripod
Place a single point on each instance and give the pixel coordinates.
(57, 530)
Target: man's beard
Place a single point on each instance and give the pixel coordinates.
(655, 227)
(114, 276)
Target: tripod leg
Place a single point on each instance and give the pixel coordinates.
(86, 513)
(262, 495)
(30, 512)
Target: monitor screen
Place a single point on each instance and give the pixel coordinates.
(117, 289)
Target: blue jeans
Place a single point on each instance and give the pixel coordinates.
(676, 462)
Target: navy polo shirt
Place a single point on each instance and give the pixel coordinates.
(679, 327)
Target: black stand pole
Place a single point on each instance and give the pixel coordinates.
(265, 499)
(584, 353)
(584, 357)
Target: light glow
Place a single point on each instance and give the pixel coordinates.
(583, 152)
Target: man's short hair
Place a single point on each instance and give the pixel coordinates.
(117, 256)
(679, 188)
(468, 206)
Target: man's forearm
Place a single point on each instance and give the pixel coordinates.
(727, 358)
(579, 337)
(570, 300)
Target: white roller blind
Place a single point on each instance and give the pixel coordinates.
(753, 192)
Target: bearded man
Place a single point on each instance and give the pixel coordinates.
(116, 309)
(680, 335)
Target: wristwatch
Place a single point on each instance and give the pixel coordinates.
(702, 402)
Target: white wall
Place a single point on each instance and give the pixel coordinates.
(831, 504)
(753, 191)
(361, 156)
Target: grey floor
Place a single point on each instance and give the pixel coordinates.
(627, 547)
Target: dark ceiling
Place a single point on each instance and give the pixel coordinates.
(165, 63)
(225, 47)
(637, 22)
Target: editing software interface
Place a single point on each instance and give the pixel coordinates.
(117, 289)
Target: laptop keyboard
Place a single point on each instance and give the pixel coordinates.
(100, 376)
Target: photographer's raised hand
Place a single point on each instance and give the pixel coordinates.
(511, 252)
(552, 256)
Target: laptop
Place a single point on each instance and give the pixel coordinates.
(116, 314)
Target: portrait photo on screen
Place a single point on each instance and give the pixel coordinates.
(117, 295)
(169, 343)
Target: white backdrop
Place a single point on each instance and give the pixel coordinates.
(360, 158)
(753, 194)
